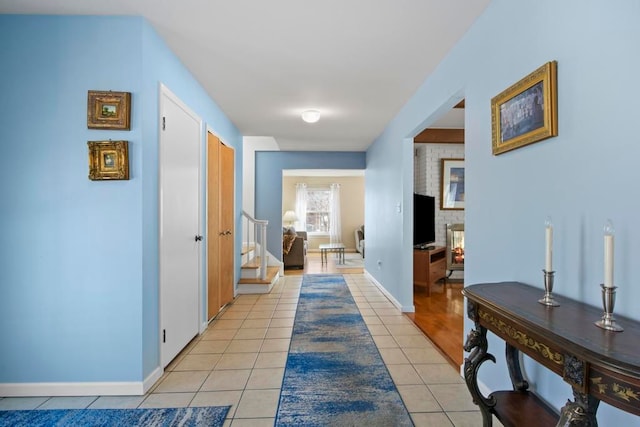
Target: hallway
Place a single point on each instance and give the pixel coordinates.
(240, 361)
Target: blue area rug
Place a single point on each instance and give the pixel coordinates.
(334, 374)
(165, 417)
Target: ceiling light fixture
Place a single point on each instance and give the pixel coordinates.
(311, 116)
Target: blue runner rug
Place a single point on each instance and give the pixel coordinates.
(334, 374)
(165, 417)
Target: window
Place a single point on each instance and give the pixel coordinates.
(318, 210)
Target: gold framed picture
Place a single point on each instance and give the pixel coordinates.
(451, 184)
(108, 160)
(108, 110)
(526, 112)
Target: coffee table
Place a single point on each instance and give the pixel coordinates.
(331, 247)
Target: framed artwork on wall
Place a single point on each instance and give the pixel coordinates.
(526, 112)
(108, 110)
(108, 160)
(451, 184)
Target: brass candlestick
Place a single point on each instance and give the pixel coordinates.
(547, 299)
(608, 322)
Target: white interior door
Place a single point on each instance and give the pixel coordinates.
(180, 139)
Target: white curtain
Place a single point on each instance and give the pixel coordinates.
(301, 206)
(335, 228)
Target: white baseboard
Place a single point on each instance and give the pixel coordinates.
(408, 308)
(151, 379)
(132, 388)
(395, 302)
(72, 389)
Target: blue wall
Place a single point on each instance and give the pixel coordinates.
(268, 189)
(580, 178)
(79, 258)
(70, 268)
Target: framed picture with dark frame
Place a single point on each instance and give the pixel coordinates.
(451, 184)
(108, 110)
(108, 160)
(526, 112)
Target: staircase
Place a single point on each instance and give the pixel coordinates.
(256, 276)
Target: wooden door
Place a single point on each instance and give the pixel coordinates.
(179, 226)
(226, 223)
(221, 225)
(213, 226)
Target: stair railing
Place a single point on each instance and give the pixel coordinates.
(257, 230)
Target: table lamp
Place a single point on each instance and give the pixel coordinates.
(289, 218)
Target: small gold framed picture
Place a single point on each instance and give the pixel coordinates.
(108, 160)
(527, 111)
(108, 110)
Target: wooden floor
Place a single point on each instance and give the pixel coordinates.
(439, 316)
(316, 266)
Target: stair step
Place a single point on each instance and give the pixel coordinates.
(252, 263)
(251, 269)
(272, 272)
(257, 286)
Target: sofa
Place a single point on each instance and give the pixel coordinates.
(359, 236)
(294, 248)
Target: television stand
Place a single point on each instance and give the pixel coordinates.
(429, 265)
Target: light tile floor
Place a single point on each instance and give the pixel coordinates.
(240, 359)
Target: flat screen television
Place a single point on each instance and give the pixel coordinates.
(424, 221)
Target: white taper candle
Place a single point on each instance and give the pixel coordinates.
(548, 261)
(608, 254)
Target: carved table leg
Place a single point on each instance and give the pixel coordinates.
(515, 371)
(581, 412)
(477, 345)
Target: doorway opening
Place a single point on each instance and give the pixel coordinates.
(438, 300)
(310, 196)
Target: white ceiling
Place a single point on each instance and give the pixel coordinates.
(264, 62)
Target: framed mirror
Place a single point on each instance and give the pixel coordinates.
(455, 247)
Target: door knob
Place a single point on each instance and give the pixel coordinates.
(198, 237)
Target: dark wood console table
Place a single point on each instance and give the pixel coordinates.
(599, 365)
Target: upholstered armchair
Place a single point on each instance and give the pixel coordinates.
(359, 236)
(294, 248)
